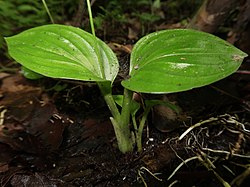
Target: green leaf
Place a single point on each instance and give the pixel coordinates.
(118, 99)
(30, 74)
(134, 105)
(178, 60)
(60, 51)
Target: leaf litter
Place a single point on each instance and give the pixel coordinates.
(41, 146)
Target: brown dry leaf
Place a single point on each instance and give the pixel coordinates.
(15, 83)
(4, 167)
(31, 127)
(3, 75)
(120, 48)
(165, 26)
(34, 180)
(94, 128)
(132, 34)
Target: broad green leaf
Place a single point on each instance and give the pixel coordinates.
(61, 51)
(30, 74)
(181, 59)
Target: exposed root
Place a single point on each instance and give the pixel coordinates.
(240, 178)
(224, 119)
(2, 113)
(140, 172)
(181, 164)
(199, 140)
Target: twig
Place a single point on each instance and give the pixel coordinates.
(243, 72)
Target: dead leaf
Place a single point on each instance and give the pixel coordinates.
(34, 180)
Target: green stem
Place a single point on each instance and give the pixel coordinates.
(91, 18)
(119, 121)
(134, 123)
(96, 47)
(140, 129)
(124, 140)
(125, 114)
(127, 144)
(48, 12)
(105, 88)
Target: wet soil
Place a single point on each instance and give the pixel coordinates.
(64, 138)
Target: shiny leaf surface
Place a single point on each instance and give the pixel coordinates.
(60, 51)
(181, 59)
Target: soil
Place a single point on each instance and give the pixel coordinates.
(64, 138)
(58, 133)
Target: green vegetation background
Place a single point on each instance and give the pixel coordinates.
(19, 15)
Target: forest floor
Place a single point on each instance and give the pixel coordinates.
(58, 133)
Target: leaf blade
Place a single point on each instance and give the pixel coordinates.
(186, 59)
(60, 51)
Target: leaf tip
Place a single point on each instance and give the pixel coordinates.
(237, 58)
